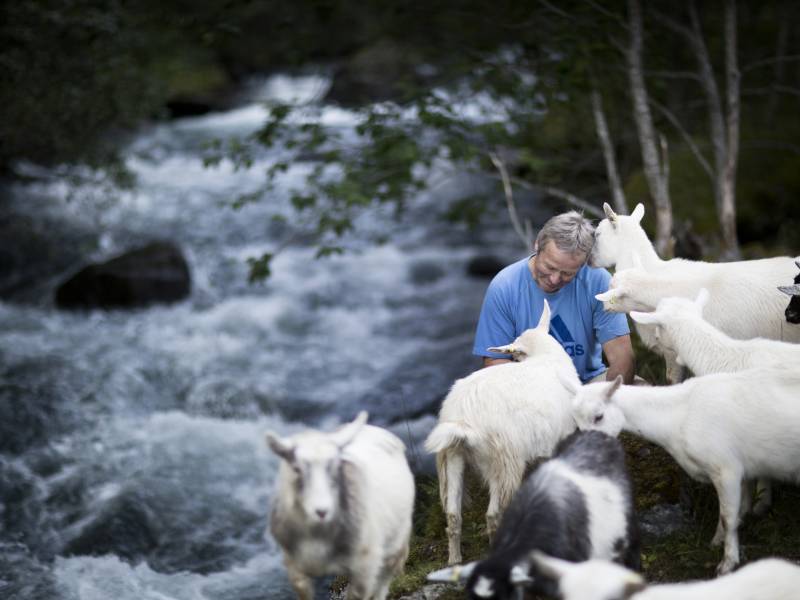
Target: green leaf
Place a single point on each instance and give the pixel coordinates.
(259, 267)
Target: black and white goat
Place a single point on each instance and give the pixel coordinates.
(793, 310)
(343, 506)
(576, 506)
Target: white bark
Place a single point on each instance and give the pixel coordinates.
(654, 168)
(524, 232)
(724, 133)
(607, 146)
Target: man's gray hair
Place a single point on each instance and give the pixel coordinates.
(570, 232)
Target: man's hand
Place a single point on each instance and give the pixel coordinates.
(620, 357)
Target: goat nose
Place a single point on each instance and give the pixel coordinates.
(321, 512)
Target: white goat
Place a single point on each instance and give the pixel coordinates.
(343, 506)
(766, 579)
(681, 329)
(743, 301)
(724, 428)
(500, 418)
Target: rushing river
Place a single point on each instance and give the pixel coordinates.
(133, 463)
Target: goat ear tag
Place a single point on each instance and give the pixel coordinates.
(454, 574)
(502, 349)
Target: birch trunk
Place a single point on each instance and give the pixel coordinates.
(724, 136)
(654, 168)
(604, 136)
(727, 215)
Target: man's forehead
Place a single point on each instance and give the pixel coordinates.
(561, 258)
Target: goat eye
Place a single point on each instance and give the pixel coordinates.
(598, 418)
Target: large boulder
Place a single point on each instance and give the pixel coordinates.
(156, 273)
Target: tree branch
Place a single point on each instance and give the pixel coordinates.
(603, 10)
(521, 231)
(770, 61)
(685, 135)
(604, 136)
(562, 194)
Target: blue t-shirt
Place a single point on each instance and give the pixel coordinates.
(514, 303)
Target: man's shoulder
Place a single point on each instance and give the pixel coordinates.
(593, 278)
(511, 274)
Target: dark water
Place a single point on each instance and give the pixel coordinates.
(132, 462)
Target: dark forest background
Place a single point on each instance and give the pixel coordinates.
(78, 76)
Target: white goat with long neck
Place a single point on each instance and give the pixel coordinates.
(343, 506)
(700, 346)
(725, 428)
(681, 329)
(766, 579)
(500, 419)
(743, 300)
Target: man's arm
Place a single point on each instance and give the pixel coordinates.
(621, 361)
(490, 362)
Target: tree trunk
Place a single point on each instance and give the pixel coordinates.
(727, 215)
(655, 169)
(722, 133)
(603, 135)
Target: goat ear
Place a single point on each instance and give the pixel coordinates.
(612, 389)
(605, 296)
(638, 212)
(791, 290)
(280, 447)
(610, 214)
(569, 383)
(645, 318)
(702, 298)
(347, 432)
(454, 574)
(549, 566)
(544, 320)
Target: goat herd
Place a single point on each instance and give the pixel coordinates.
(344, 499)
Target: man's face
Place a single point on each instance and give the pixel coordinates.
(554, 268)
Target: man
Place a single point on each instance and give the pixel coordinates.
(557, 271)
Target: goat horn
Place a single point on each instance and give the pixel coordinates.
(612, 216)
